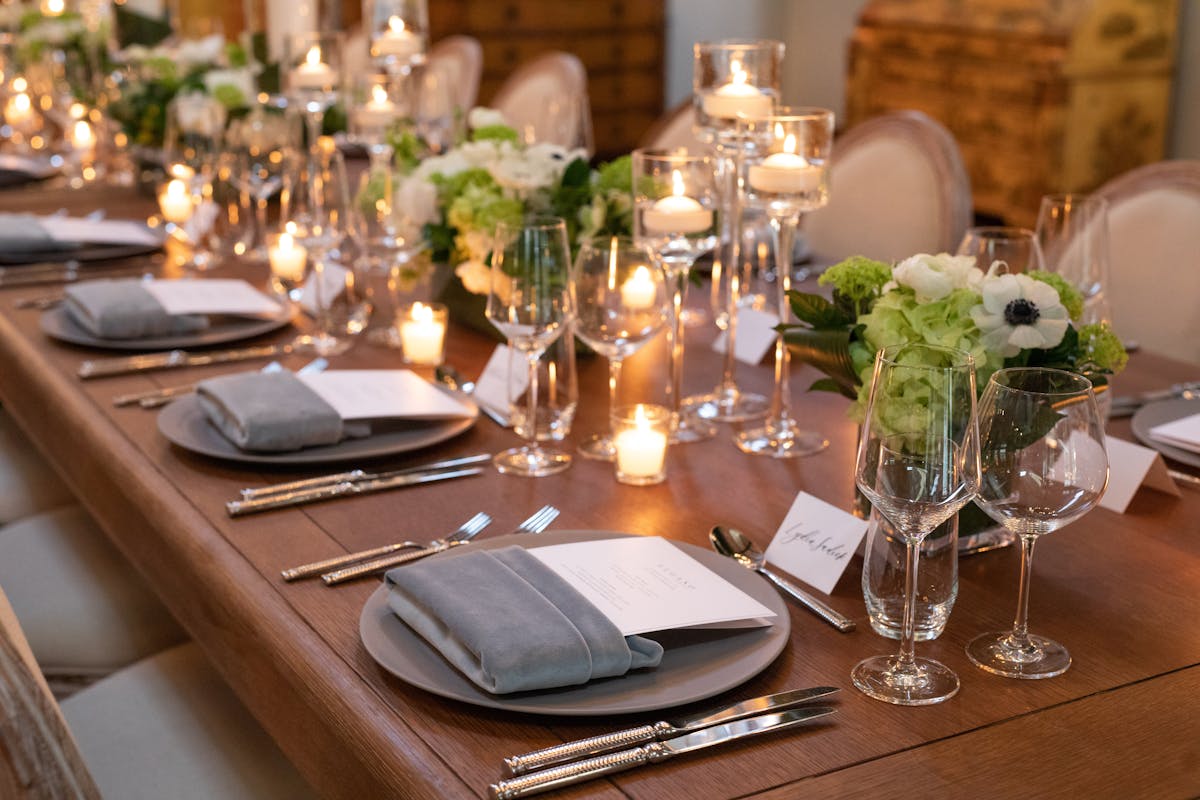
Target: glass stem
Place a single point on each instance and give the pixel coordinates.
(730, 275)
(260, 221)
(532, 402)
(679, 280)
(906, 660)
(784, 231)
(614, 375)
(324, 315)
(1020, 631)
(729, 254)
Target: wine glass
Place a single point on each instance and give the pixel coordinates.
(1017, 248)
(1041, 442)
(621, 303)
(398, 31)
(529, 301)
(1072, 230)
(675, 195)
(788, 176)
(434, 108)
(263, 140)
(194, 132)
(918, 464)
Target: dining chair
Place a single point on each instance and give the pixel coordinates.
(898, 187)
(461, 57)
(674, 129)
(546, 100)
(28, 484)
(165, 727)
(1154, 239)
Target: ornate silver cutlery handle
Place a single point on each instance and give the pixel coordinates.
(572, 751)
(578, 772)
(380, 564)
(317, 567)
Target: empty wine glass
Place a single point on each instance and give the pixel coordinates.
(1017, 248)
(194, 132)
(621, 301)
(1041, 442)
(434, 109)
(263, 140)
(529, 301)
(1072, 230)
(918, 464)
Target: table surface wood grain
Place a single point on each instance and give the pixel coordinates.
(1121, 591)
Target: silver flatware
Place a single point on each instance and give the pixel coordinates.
(735, 544)
(451, 378)
(464, 533)
(173, 359)
(1128, 404)
(579, 771)
(1191, 481)
(43, 302)
(663, 729)
(536, 523)
(358, 475)
(240, 508)
(157, 398)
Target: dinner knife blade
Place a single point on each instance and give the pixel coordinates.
(240, 508)
(581, 748)
(1128, 404)
(579, 771)
(359, 475)
(107, 367)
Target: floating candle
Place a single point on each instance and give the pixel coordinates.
(677, 213)
(785, 172)
(313, 74)
(736, 98)
(397, 42)
(378, 112)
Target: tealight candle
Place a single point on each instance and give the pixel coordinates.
(397, 41)
(379, 111)
(639, 291)
(738, 97)
(81, 138)
(313, 73)
(53, 8)
(640, 439)
(175, 201)
(287, 258)
(677, 213)
(423, 333)
(18, 110)
(785, 172)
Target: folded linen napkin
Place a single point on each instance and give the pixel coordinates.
(23, 233)
(123, 309)
(518, 626)
(272, 412)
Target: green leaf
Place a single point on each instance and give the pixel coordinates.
(577, 173)
(828, 351)
(825, 385)
(817, 311)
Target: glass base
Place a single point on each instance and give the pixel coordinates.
(925, 683)
(780, 440)
(729, 405)
(695, 317)
(385, 337)
(531, 462)
(686, 429)
(999, 654)
(323, 344)
(599, 447)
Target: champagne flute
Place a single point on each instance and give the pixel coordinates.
(621, 303)
(1016, 248)
(1041, 440)
(1072, 230)
(918, 464)
(529, 301)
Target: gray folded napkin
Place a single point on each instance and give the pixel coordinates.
(271, 412)
(510, 623)
(123, 309)
(22, 233)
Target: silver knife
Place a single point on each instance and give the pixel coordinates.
(1124, 406)
(358, 475)
(581, 748)
(579, 771)
(386, 562)
(171, 359)
(240, 508)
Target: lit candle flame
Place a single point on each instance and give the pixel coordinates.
(313, 58)
(378, 94)
(640, 419)
(290, 227)
(396, 25)
(422, 312)
(285, 240)
(789, 143)
(19, 84)
(739, 75)
(54, 7)
(677, 183)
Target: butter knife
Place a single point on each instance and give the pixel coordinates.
(240, 508)
(1126, 405)
(581, 748)
(107, 367)
(579, 771)
(358, 475)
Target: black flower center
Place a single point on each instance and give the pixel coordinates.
(1021, 312)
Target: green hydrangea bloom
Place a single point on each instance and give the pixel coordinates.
(616, 175)
(1071, 298)
(1101, 348)
(499, 133)
(229, 96)
(481, 208)
(857, 280)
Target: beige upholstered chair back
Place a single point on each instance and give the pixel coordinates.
(897, 187)
(674, 130)
(1154, 236)
(546, 100)
(461, 58)
(38, 756)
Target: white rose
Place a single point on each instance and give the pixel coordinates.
(447, 165)
(933, 277)
(481, 117)
(199, 114)
(200, 51)
(522, 174)
(416, 201)
(479, 154)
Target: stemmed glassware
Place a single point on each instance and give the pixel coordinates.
(398, 32)
(788, 176)
(621, 301)
(192, 142)
(1017, 248)
(1041, 441)
(530, 302)
(1072, 230)
(312, 75)
(675, 195)
(918, 464)
(263, 141)
(374, 108)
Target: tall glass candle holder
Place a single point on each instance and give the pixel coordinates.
(374, 105)
(312, 76)
(788, 176)
(398, 31)
(675, 197)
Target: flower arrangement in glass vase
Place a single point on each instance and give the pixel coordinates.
(457, 198)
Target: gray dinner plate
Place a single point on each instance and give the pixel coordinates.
(696, 664)
(57, 324)
(1153, 414)
(185, 424)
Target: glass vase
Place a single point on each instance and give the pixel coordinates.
(883, 578)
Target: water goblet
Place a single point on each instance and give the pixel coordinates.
(1041, 443)
(674, 200)
(194, 132)
(1072, 230)
(621, 302)
(529, 301)
(791, 177)
(1016, 249)
(918, 463)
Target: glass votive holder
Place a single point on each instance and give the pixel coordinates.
(175, 201)
(640, 433)
(289, 262)
(422, 328)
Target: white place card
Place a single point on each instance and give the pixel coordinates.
(493, 389)
(1183, 433)
(34, 167)
(645, 583)
(212, 296)
(1131, 466)
(333, 283)
(815, 541)
(755, 336)
(99, 231)
(359, 394)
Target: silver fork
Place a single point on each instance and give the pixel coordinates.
(539, 521)
(461, 536)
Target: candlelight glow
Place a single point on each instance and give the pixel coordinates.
(379, 94)
(313, 58)
(396, 25)
(677, 183)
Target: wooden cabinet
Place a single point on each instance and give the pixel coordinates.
(619, 41)
(1042, 95)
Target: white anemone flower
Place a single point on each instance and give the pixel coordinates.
(1019, 313)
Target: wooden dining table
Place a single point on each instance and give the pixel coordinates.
(1121, 591)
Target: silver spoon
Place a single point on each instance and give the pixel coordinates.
(735, 544)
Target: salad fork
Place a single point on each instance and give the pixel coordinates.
(460, 537)
(539, 521)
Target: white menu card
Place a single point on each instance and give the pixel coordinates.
(212, 296)
(1130, 466)
(755, 336)
(359, 394)
(1183, 433)
(99, 231)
